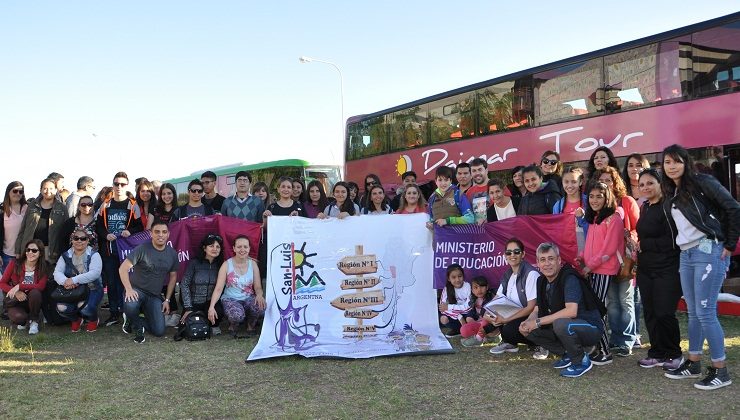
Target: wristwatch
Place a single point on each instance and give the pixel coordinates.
(167, 300)
(537, 322)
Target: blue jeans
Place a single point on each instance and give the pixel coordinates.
(113, 281)
(702, 276)
(88, 311)
(152, 307)
(620, 309)
(6, 260)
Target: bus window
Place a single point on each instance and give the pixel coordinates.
(716, 59)
(367, 138)
(452, 118)
(567, 92)
(408, 128)
(505, 106)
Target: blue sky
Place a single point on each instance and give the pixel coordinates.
(171, 87)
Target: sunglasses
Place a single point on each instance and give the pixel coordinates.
(198, 191)
(32, 250)
(216, 237)
(119, 184)
(79, 238)
(17, 191)
(511, 252)
(86, 204)
(550, 161)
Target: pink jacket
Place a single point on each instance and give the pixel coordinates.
(602, 242)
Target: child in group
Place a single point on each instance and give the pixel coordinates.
(447, 206)
(455, 301)
(574, 203)
(475, 329)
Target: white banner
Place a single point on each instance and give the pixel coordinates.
(355, 288)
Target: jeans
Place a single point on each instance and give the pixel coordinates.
(113, 280)
(152, 307)
(6, 260)
(89, 308)
(638, 309)
(567, 336)
(702, 276)
(620, 309)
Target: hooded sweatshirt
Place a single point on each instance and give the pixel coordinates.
(540, 201)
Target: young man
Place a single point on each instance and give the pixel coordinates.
(152, 263)
(567, 318)
(117, 217)
(477, 194)
(85, 187)
(463, 177)
(242, 204)
(211, 197)
(447, 206)
(408, 178)
(541, 196)
(500, 205)
(195, 206)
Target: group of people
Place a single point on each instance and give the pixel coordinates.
(680, 228)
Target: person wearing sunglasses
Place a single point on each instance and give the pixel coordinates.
(14, 208)
(83, 218)
(85, 186)
(518, 284)
(23, 283)
(200, 279)
(195, 207)
(119, 216)
(43, 220)
(552, 168)
(80, 266)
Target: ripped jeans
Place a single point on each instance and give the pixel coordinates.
(702, 276)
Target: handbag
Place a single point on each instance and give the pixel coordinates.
(63, 295)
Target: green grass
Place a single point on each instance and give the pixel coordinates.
(58, 374)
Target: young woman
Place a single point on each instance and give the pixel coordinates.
(285, 205)
(317, 201)
(573, 203)
(146, 200)
(541, 195)
(600, 159)
(516, 189)
(552, 168)
(299, 191)
(354, 192)
(343, 206)
(80, 266)
(200, 278)
(43, 220)
(412, 201)
(14, 208)
(370, 181)
(260, 190)
(657, 275)
(708, 223)
(599, 259)
(242, 298)
(84, 219)
(23, 282)
(378, 203)
(631, 175)
(166, 204)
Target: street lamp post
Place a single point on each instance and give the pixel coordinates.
(303, 60)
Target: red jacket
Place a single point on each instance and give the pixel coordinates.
(10, 279)
(602, 243)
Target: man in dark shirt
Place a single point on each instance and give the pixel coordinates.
(152, 263)
(566, 319)
(210, 196)
(195, 206)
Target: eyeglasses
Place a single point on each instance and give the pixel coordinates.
(196, 191)
(119, 184)
(79, 238)
(549, 161)
(32, 250)
(17, 191)
(86, 204)
(511, 252)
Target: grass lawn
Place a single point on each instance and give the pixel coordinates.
(107, 375)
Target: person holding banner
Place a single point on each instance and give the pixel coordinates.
(200, 280)
(165, 205)
(599, 257)
(285, 205)
(407, 178)
(447, 205)
(541, 195)
(573, 203)
(412, 201)
(317, 201)
(342, 206)
(195, 206)
(378, 203)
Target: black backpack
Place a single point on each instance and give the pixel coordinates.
(196, 327)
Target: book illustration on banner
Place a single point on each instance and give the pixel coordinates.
(502, 306)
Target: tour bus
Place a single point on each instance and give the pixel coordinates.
(267, 172)
(679, 87)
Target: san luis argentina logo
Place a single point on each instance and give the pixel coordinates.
(294, 266)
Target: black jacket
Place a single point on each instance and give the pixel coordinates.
(657, 233)
(713, 211)
(546, 307)
(540, 201)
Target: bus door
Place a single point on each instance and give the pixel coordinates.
(732, 182)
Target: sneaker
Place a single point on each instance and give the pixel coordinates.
(105, 306)
(172, 320)
(215, 331)
(33, 328)
(140, 338)
(602, 359)
(21, 327)
(504, 348)
(91, 326)
(576, 370)
(716, 378)
(112, 320)
(623, 352)
(563, 363)
(126, 327)
(76, 324)
(638, 343)
(671, 364)
(688, 369)
(651, 362)
(493, 339)
(540, 353)
(452, 334)
(473, 341)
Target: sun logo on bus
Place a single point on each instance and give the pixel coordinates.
(403, 164)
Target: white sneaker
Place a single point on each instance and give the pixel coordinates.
(172, 320)
(33, 328)
(21, 327)
(504, 347)
(540, 353)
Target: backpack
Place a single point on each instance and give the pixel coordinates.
(196, 327)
